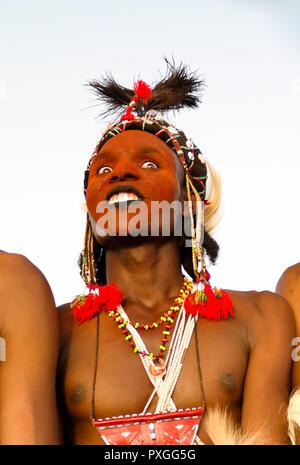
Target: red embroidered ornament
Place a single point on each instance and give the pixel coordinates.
(97, 299)
(168, 428)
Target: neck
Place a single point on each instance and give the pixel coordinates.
(148, 273)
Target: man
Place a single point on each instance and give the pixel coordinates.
(289, 287)
(139, 345)
(28, 354)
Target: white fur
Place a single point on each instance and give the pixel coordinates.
(293, 415)
(223, 430)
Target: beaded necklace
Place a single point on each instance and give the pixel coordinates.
(167, 319)
(132, 429)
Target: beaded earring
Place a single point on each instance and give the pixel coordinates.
(87, 255)
(205, 301)
(96, 298)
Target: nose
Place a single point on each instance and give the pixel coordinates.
(123, 172)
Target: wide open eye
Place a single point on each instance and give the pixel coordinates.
(149, 165)
(105, 170)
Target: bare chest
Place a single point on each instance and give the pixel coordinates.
(122, 385)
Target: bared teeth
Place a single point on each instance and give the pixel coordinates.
(122, 197)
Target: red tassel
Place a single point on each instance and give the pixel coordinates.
(111, 297)
(98, 299)
(224, 303)
(85, 307)
(142, 90)
(209, 304)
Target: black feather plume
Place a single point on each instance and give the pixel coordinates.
(113, 95)
(178, 89)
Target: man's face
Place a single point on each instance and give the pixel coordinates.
(132, 172)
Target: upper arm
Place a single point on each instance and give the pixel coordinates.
(289, 287)
(28, 413)
(267, 383)
(65, 321)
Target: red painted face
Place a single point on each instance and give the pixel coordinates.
(139, 164)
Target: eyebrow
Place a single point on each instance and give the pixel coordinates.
(145, 150)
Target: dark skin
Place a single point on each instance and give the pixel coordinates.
(289, 287)
(240, 358)
(28, 324)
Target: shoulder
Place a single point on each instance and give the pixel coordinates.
(64, 314)
(65, 322)
(263, 314)
(274, 307)
(293, 270)
(289, 280)
(66, 333)
(259, 304)
(276, 323)
(25, 295)
(17, 269)
(289, 287)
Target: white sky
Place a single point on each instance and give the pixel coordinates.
(247, 126)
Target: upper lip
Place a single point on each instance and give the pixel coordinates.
(127, 188)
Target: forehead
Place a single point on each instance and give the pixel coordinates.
(141, 143)
(137, 142)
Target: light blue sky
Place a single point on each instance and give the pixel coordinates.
(247, 126)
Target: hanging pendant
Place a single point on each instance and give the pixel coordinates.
(159, 369)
